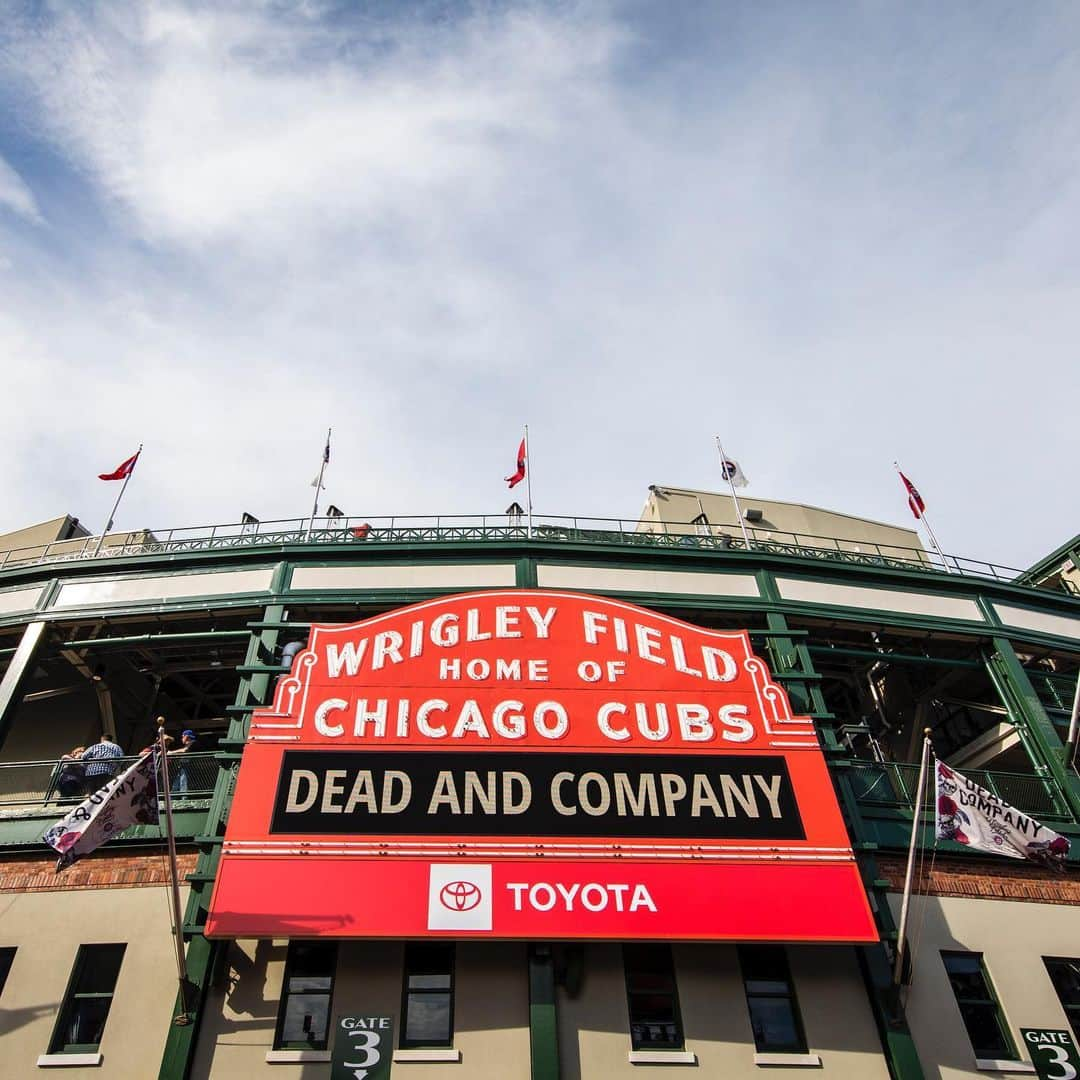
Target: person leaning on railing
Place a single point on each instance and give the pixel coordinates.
(71, 774)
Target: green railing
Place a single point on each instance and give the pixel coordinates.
(893, 785)
(500, 529)
(28, 787)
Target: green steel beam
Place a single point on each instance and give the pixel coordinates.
(203, 955)
(143, 639)
(543, 1023)
(18, 671)
(790, 657)
(901, 1057)
(1033, 725)
(903, 658)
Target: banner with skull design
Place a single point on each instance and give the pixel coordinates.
(970, 815)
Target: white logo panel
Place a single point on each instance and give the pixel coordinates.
(459, 896)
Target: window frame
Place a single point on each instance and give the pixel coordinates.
(788, 994)
(991, 999)
(280, 1042)
(1072, 1012)
(7, 959)
(72, 995)
(413, 947)
(638, 1044)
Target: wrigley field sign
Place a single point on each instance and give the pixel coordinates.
(528, 763)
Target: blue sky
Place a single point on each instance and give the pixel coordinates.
(836, 235)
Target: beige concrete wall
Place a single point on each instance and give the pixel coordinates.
(36, 536)
(241, 1011)
(47, 928)
(33, 542)
(1013, 938)
(491, 1015)
(594, 1029)
(678, 507)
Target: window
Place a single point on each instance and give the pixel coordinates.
(652, 998)
(1065, 975)
(304, 1016)
(428, 996)
(770, 997)
(85, 1009)
(701, 524)
(978, 1007)
(6, 958)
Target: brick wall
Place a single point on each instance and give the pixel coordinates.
(995, 879)
(103, 869)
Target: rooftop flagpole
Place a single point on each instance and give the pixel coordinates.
(523, 472)
(729, 474)
(127, 468)
(528, 479)
(318, 485)
(918, 508)
(174, 882)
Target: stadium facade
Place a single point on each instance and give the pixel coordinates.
(751, 926)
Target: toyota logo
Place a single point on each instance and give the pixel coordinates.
(459, 896)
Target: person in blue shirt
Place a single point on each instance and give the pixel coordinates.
(188, 744)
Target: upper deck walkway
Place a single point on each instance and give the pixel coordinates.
(497, 529)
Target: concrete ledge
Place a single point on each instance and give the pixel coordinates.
(805, 1061)
(662, 1057)
(433, 1053)
(296, 1057)
(998, 1065)
(60, 1061)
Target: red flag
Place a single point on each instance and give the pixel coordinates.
(915, 501)
(520, 474)
(122, 472)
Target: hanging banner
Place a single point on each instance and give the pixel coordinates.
(527, 763)
(125, 800)
(970, 815)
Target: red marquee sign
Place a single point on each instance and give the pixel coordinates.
(534, 764)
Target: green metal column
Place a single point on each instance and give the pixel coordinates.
(204, 955)
(18, 671)
(525, 572)
(543, 1025)
(793, 667)
(1034, 726)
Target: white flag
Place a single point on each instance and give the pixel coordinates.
(968, 814)
(128, 799)
(317, 482)
(732, 473)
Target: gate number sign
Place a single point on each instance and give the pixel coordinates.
(363, 1048)
(1053, 1053)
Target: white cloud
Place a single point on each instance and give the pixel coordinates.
(15, 194)
(429, 230)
